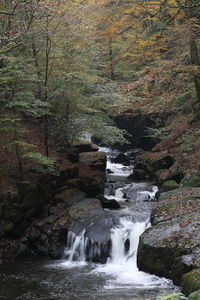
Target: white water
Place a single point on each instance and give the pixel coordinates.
(121, 266)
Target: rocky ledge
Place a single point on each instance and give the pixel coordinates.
(171, 247)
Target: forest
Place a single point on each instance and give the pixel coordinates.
(124, 73)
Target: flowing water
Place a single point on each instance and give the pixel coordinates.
(74, 277)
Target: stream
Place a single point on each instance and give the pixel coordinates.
(76, 276)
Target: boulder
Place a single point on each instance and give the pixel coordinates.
(48, 236)
(86, 147)
(164, 162)
(89, 214)
(109, 203)
(95, 160)
(139, 174)
(121, 159)
(170, 247)
(137, 192)
(192, 181)
(191, 282)
(72, 154)
(169, 185)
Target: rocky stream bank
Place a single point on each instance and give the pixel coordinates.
(38, 224)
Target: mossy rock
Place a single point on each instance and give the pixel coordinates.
(169, 185)
(193, 181)
(194, 296)
(191, 282)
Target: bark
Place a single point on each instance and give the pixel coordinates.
(112, 75)
(195, 61)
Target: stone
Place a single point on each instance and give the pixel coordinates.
(191, 282)
(169, 185)
(170, 247)
(192, 181)
(139, 174)
(164, 162)
(121, 159)
(95, 160)
(111, 203)
(86, 147)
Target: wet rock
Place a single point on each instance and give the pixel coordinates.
(139, 174)
(134, 192)
(95, 160)
(121, 159)
(56, 254)
(107, 203)
(97, 224)
(108, 171)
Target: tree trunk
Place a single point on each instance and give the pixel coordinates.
(112, 75)
(195, 61)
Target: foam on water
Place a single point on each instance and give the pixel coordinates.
(122, 266)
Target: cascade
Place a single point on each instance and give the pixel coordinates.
(129, 223)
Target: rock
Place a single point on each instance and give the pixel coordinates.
(135, 192)
(72, 154)
(193, 181)
(92, 185)
(111, 204)
(21, 251)
(153, 166)
(108, 171)
(164, 162)
(121, 159)
(95, 160)
(191, 282)
(139, 174)
(86, 147)
(169, 185)
(170, 247)
(56, 254)
(194, 296)
(97, 224)
(67, 174)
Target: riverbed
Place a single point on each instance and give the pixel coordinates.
(74, 276)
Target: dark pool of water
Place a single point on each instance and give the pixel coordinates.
(45, 279)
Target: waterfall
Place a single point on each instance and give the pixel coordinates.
(125, 239)
(76, 246)
(129, 223)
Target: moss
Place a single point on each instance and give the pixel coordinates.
(191, 197)
(169, 185)
(191, 282)
(194, 296)
(193, 181)
(166, 207)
